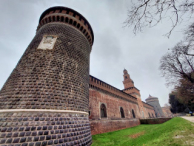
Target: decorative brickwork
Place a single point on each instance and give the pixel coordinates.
(54, 76)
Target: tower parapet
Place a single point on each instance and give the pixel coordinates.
(68, 16)
(45, 99)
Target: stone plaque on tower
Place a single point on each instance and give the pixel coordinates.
(47, 42)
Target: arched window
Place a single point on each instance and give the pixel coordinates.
(71, 21)
(133, 113)
(103, 111)
(122, 112)
(62, 18)
(152, 115)
(58, 18)
(53, 18)
(149, 115)
(66, 19)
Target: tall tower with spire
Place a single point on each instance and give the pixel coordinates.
(132, 90)
(128, 82)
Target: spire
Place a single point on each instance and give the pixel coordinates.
(128, 82)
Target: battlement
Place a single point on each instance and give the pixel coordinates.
(68, 16)
(96, 83)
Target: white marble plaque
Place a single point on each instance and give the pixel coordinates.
(48, 42)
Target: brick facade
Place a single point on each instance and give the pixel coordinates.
(114, 99)
(53, 80)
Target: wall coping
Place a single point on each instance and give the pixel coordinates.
(94, 82)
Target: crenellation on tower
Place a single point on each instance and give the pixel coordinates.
(68, 16)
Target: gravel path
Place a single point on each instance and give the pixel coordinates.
(189, 118)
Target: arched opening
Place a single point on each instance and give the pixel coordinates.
(103, 111)
(53, 18)
(58, 18)
(71, 21)
(152, 115)
(49, 19)
(122, 112)
(66, 19)
(78, 25)
(74, 23)
(46, 20)
(62, 18)
(133, 113)
(149, 115)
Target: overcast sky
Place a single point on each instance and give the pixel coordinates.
(115, 47)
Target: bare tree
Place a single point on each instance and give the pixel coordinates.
(177, 64)
(148, 13)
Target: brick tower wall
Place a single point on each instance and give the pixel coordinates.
(45, 100)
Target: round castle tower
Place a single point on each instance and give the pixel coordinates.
(153, 101)
(45, 99)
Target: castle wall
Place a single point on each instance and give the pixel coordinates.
(112, 104)
(113, 99)
(149, 111)
(113, 121)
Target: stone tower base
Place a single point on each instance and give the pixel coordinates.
(44, 127)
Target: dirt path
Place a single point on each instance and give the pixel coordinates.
(188, 118)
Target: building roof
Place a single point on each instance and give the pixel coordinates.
(151, 97)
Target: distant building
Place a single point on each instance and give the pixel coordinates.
(167, 112)
(155, 103)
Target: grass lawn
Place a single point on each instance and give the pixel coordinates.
(175, 132)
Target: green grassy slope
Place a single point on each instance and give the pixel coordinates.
(175, 132)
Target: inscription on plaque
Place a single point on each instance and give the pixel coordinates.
(47, 42)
